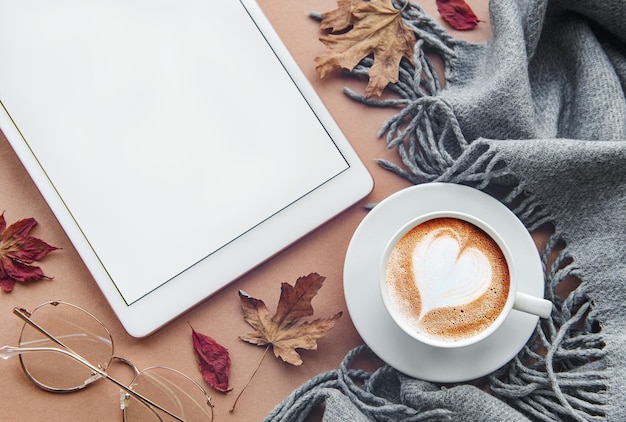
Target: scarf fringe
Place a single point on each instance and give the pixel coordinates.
(555, 383)
(360, 388)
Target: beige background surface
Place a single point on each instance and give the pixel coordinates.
(220, 316)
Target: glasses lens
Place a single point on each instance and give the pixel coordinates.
(171, 390)
(77, 330)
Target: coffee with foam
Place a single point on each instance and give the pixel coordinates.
(448, 279)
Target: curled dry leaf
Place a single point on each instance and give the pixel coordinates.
(457, 13)
(282, 330)
(18, 251)
(213, 360)
(360, 28)
(339, 19)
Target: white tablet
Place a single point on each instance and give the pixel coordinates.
(177, 142)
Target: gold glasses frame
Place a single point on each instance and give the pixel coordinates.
(97, 371)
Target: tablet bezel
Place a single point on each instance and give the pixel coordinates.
(162, 305)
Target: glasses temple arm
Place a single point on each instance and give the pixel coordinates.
(9, 351)
(25, 316)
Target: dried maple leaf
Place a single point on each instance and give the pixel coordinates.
(213, 360)
(340, 18)
(369, 27)
(457, 13)
(17, 251)
(282, 330)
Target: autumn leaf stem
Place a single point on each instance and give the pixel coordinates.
(232, 409)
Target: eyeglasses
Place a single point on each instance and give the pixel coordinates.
(63, 348)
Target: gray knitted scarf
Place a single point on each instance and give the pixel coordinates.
(537, 118)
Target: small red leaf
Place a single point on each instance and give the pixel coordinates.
(457, 13)
(17, 251)
(213, 361)
(19, 271)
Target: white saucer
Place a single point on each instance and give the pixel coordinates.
(374, 324)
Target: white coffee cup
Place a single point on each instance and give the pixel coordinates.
(453, 265)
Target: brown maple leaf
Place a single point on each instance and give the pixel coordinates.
(17, 251)
(340, 18)
(367, 27)
(282, 330)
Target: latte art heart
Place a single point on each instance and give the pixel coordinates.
(448, 274)
(446, 279)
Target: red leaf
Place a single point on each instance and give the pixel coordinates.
(213, 361)
(17, 251)
(457, 13)
(19, 271)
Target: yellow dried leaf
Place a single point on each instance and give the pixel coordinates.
(369, 27)
(340, 18)
(282, 330)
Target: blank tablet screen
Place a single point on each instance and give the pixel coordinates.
(152, 127)
(172, 139)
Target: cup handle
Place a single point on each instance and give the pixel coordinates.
(532, 305)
